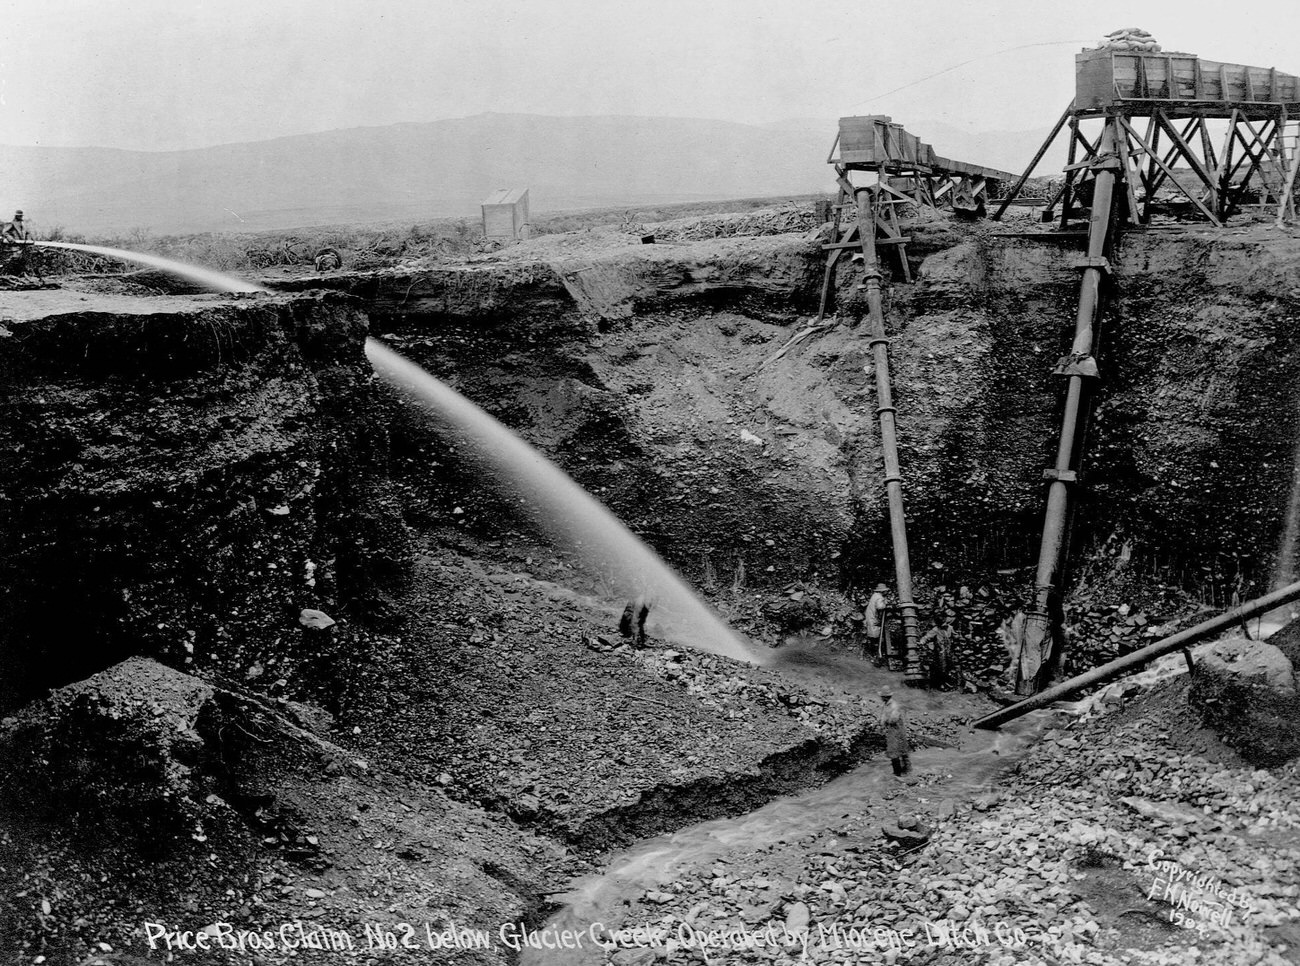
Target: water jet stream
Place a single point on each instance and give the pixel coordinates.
(568, 513)
(208, 278)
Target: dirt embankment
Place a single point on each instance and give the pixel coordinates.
(661, 385)
(182, 477)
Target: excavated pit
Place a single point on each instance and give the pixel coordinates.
(181, 476)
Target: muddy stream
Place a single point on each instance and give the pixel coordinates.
(957, 773)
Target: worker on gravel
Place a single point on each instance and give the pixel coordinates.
(632, 623)
(936, 645)
(877, 627)
(894, 724)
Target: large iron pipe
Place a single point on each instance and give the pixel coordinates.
(1107, 672)
(1056, 516)
(888, 431)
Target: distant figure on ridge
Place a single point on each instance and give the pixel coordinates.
(894, 724)
(16, 230)
(13, 253)
(328, 260)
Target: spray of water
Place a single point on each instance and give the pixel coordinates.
(206, 277)
(563, 508)
(569, 514)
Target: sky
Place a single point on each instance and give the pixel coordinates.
(172, 74)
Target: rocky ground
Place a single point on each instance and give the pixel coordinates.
(513, 692)
(470, 730)
(1069, 859)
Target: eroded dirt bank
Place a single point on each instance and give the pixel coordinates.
(183, 477)
(661, 385)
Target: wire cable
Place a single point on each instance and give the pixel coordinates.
(948, 70)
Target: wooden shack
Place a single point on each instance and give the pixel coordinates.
(505, 214)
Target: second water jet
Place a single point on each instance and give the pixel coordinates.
(568, 513)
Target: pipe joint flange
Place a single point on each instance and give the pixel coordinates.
(1100, 262)
(1076, 364)
(876, 340)
(886, 409)
(1061, 476)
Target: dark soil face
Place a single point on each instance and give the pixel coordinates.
(181, 483)
(168, 479)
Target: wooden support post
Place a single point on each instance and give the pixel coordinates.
(1221, 175)
(1070, 155)
(1257, 157)
(1135, 215)
(1153, 142)
(1185, 150)
(1056, 129)
(1164, 167)
(1287, 204)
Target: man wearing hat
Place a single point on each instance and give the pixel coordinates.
(15, 234)
(894, 725)
(936, 644)
(16, 230)
(874, 618)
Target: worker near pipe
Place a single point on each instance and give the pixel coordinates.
(876, 624)
(937, 646)
(894, 724)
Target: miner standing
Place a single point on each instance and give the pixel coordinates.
(894, 724)
(877, 629)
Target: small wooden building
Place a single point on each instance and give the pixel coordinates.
(505, 214)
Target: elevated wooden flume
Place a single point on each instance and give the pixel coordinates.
(1234, 129)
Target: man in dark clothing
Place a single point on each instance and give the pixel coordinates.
(15, 247)
(16, 230)
(937, 646)
(632, 624)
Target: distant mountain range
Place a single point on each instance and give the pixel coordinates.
(443, 168)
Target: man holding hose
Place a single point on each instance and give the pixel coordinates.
(16, 241)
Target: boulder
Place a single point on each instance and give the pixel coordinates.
(1253, 662)
(1246, 691)
(117, 751)
(137, 756)
(908, 838)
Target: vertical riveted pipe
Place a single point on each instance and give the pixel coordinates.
(1050, 562)
(888, 431)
